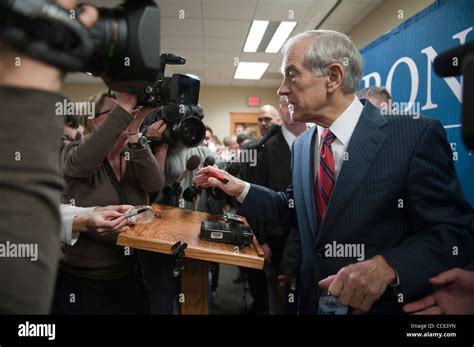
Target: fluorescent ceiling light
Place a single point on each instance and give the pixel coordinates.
(250, 71)
(257, 30)
(281, 34)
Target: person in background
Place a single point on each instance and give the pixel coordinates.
(72, 129)
(454, 294)
(112, 165)
(209, 140)
(275, 173)
(243, 139)
(267, 117)
(376, 95)
(239, 129)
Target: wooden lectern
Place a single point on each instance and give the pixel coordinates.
(177, 224)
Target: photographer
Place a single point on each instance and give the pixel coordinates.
(29, 169)
(100, 171)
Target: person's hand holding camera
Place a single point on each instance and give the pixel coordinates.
(133, 129)
(155, 132)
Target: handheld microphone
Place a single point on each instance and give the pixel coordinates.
(191, 165)
(209, 161)
(190, 194)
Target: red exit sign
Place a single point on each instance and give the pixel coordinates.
(253, 101)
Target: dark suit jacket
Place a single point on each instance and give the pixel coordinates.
(275, 173)
(397, 194)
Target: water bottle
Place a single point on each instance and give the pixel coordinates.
(140, 214)
(329, 305)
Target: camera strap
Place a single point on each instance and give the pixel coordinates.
(118, 185)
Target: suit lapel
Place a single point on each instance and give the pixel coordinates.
(363, 147)
(308, 184)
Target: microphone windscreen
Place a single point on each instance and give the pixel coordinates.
(209, 161)
(189, 194)
(193, 162)
(233, 168)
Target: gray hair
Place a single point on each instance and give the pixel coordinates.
(374, 91)
(329, 47)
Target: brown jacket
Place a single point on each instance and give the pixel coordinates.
(30, 191)
(88, 184)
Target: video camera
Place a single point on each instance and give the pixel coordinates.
(123, 48)
(178, 96)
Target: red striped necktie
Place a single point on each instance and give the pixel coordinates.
(325, 178)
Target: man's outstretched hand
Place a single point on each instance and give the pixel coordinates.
(208, 177)
(455, 296)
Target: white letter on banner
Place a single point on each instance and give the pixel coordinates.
(414, 78)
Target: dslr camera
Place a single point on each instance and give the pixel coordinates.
(123, 48)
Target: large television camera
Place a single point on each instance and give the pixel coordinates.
(123, 48)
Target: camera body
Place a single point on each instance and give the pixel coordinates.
(183, 124)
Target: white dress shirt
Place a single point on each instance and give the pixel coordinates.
(288, 136)
(68, 213)
(342, 128)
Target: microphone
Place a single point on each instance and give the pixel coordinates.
(444, 64)
(209, 161)
(191, 165)
(233, 168)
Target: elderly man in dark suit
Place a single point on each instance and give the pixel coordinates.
(376, 198)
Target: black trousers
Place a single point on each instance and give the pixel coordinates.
(79, 295)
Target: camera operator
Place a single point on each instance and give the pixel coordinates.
(158, 268)
(29, 169)
(100, 171)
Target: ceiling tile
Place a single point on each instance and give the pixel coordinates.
(229, 9)
(221, 44)
(344, 13)
(174, 8)
(170, 43)
(174, 26)
(226, 28)
(283, 10)
(221, 56)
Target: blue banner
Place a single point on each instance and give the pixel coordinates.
(402, 59)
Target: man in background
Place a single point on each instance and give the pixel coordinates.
(275, 173)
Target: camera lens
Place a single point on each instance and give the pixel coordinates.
(191, 131)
